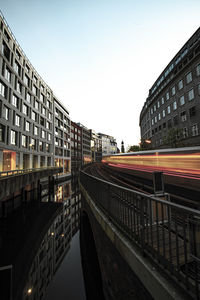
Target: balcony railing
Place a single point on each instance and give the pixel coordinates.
(168, 233)
(25, 171)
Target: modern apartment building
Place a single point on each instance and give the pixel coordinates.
(109, 144)
(28, 108)
(96, 146)
(174, 100)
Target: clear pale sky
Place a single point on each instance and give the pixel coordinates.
(101, 57)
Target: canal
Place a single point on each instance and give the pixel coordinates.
(40, 248)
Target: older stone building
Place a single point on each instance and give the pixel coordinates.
(173, 104)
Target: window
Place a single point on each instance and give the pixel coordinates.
(151, 111)
(42, 97)
(163, 113)
(182, 100)
(185, 132)
(173, 91)
(189, 77)
(35, 130)
(26, 80)
(44, 111)
(158, 104)
(24, 141)
(159, 116)
(35, 79)
(168, 109)
(25, 109)
(17, 120)
(42, 121)
(183, 116)
(191, 95)
(180, 84)
(192, 111)
(174, 105)
(48, 125)
(42, 88)
(33, 116)
(13, 136)
(194, 130)
(155, 119)
(19, 87)
(152, 122)
(33, 144)
(162, 100)
(48, 95)
(50, 116)
(48, 104)
(18, 54)
(49, 136)
(198, 70)
(6, 113)
(7, 74)
(175, 120)
(43, 134)
(36, 104)
(167, 96)
(15, 101)
(28, 97)
(27, 126)
(2, 90)
(17, 68)
(2, 133)
(154, 108)
(27, 68)
(6, 51)
(34, 90)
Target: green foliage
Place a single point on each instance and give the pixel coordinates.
(174, 137)
(134, 148)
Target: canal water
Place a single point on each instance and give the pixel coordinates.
(40, 247)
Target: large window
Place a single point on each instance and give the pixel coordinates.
(25, 109)
(33, 116)
(27, 126)
(24, 141)
(35, 130)
(15, 101)
(17, 120)
(7, 74)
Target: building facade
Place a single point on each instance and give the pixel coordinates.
(27, 105)
(109, 144)
(86, 145)
(76, 147)
(172, 108)
(96, 146)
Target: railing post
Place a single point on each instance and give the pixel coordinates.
(141, 205)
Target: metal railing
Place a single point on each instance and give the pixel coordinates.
(25, 171)
(166, 232)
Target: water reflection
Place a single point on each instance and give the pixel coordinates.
(35, 240)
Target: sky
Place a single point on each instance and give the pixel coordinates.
(101, 57)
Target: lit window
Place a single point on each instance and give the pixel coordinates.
(174, 105)
(182, 100)
(168, 109)
(180, 84)
(191, 95)
(198, 69)
(13, 137)
(189, 77)
(17, 120)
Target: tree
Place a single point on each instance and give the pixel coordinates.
(133, 148)
(174, 137)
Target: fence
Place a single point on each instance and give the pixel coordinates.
(166, 232)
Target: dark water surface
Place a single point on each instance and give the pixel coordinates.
(68, 281)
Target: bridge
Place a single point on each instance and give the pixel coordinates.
(142, 240)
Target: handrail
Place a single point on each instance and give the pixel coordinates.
(4, 174)
(168, 233)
